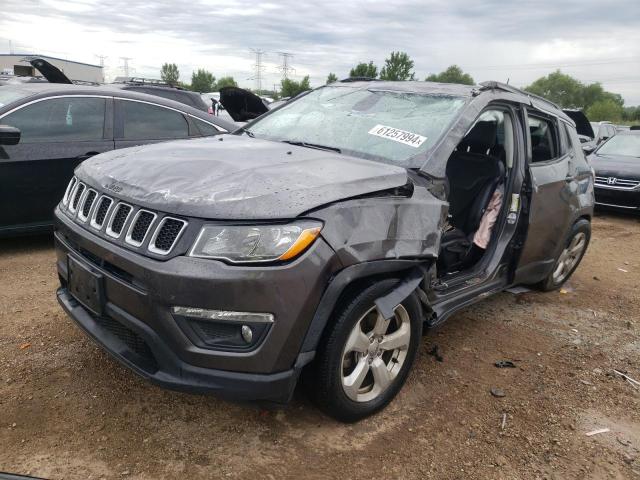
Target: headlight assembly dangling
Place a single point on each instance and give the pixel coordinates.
(255, 243)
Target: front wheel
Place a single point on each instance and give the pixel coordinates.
(364, 359)
(570, 257)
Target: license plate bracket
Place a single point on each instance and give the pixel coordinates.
(85, 285)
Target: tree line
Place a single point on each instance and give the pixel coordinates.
(565, 90)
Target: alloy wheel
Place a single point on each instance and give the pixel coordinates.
(374, 353)
(569, 257)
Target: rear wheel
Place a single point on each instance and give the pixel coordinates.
(364, 359)
(570, 257)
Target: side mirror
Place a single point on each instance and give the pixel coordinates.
(9, 135)
(588, 148)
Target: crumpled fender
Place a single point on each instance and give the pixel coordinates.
(367, 229)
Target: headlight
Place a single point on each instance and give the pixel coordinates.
(255, 243)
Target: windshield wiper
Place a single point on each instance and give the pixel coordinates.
(247, 131)
(312, 145)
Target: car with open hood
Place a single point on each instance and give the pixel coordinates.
(48, 129)
(617, 167)
(322, 238)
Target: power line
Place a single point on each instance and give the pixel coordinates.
(285, 68)
(258, 68)
(125, 65)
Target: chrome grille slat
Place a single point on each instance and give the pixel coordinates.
(122, 223)
(78, 191)
(140, 227)
(166, 235)
(101, 212)
(118, 220)
(618, 184)
(67, 192)
(87, 204)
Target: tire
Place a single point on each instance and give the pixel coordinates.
(329, 380)
(581, 232)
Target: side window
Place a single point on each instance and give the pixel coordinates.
(69, 119)
(545, 144)
(143, 121)
(564, 139)
(206, 129)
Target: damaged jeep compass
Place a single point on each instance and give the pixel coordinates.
(318, 241)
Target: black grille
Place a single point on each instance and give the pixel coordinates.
(131, 339)
(119, 218)
(77, 196)
(168, 234)
(141, 226)
(103, 208)
(88, 202)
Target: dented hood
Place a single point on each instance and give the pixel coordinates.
(235, 177)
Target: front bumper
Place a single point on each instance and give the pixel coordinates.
(617, 198)
(154, 361)
(136, 325)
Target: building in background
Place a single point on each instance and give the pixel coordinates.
(15, 64)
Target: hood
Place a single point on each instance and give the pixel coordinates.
(242, 104)
(583, 127)
(52, 73)
(235, 177)
(619, 166)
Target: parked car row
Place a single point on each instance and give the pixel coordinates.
(48, 129)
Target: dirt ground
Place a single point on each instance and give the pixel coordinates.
(68, 411)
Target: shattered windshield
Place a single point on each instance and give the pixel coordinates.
(388, 126)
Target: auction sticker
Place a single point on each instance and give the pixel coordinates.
(402, 136)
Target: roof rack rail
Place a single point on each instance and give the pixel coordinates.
(491, 85)
(154, 82)
(358, 79)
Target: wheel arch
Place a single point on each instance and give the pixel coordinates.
(409, 273)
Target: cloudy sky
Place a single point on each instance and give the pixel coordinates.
(491, 39)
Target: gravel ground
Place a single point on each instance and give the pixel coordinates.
(68, 411)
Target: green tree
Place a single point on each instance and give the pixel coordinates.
(453, 74)
(202, 81)
(605, 109)
(367, 70)
(291, 88)
(397, 67)
(332, 78)
(225, 82)
(569, 92)
(170, 73)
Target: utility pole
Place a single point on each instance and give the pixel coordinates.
(285, 68)
(102, 59)
(125, 65)
(258, 69)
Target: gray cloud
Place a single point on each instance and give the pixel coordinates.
(332, 36)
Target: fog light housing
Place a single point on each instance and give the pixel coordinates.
(223, 330)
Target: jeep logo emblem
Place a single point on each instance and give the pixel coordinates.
(114, 187)
(612, 180)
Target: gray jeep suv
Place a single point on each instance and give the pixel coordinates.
(321, 238)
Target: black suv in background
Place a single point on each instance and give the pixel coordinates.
(322, 237)
(161, 89)
(47, 129)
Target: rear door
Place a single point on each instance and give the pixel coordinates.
(57, 134)
(139, 123)
(553, 185)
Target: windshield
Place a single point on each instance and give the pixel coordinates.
(388, 126)
(628, 145)
(11, 94)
